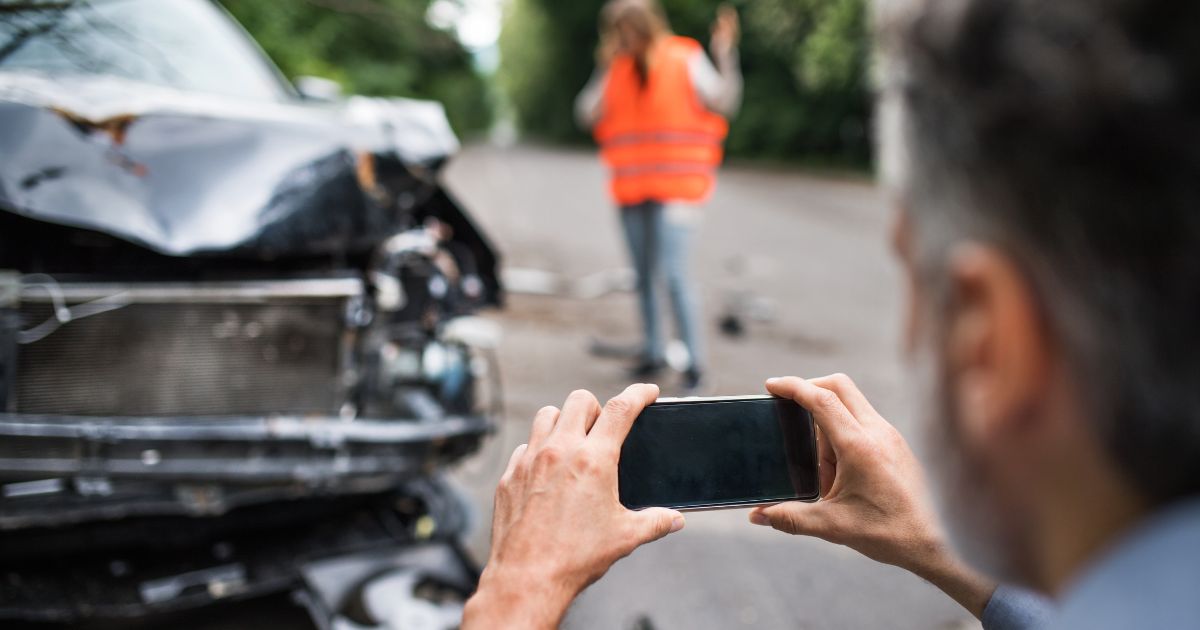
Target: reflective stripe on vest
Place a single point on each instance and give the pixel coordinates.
(663, 137)
(657, 138)
(653, 169)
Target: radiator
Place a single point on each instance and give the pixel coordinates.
(183, 350)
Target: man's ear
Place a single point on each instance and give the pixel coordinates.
(995, 346)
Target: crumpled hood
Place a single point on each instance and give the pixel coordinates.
(184, 173)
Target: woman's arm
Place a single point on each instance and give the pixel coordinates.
(719, 87)
(589, 105)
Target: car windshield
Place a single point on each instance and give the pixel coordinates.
(185, 44)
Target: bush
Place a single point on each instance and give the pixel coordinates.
(376, 48)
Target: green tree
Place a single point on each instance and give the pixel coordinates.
(805, 66)
(371, 47)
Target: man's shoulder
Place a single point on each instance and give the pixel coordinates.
(1148, 580)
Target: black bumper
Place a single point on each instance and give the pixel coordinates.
(57, 470)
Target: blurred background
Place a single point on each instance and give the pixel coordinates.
(790, 260)
(521, 62)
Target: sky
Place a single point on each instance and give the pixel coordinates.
(476, 22)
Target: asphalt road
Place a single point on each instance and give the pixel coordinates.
(813, 251)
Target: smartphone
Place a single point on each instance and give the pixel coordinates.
(709, 453)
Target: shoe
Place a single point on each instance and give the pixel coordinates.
(694, 383)
(647, 368)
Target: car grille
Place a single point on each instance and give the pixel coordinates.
(184, 359)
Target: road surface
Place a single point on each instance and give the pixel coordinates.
(814, 252)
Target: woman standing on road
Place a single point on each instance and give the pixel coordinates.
(657, 107)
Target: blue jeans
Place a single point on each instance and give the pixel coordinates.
(656, 242)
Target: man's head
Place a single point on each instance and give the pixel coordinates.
(1046, 160)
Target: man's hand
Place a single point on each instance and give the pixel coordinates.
(874, 498)
(558, 524)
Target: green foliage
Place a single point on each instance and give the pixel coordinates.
(804, 61)
(371, 47)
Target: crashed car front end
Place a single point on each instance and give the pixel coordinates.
(237, 344)
(194, 398)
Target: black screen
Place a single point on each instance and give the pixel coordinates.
(712, 453)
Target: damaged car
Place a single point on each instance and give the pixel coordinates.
(239, 338)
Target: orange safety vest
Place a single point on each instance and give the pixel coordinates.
(658, 139)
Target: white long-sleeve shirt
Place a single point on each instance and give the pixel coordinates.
(718, 87)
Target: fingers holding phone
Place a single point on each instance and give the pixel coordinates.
(874, 497)
(728, 451)
(558, 490)
(563, 487)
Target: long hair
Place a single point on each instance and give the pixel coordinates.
(644, 17)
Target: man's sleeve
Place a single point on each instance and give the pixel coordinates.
(1012, 608)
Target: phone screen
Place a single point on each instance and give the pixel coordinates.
(713, 453)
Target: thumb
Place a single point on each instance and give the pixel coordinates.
(654, 523)
(794, 517)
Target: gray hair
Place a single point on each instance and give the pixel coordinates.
(1067, 133)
